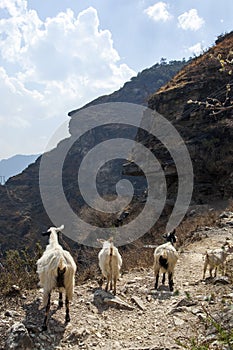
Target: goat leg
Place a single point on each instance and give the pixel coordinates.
(204, 270)
(156, 281)
(44, 326)
(60, 301)
(67, 310)
(170, 278)
(114, 283)
(106, 288)
(210, 271)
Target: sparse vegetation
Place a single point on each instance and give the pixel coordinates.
(19, 268)
(223, 334)
(221, 102)
(195, 313)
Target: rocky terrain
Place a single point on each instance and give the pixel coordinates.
(139, 89)
(197, 315)
(198, 101)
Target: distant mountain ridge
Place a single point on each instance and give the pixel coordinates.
(139, 89)
(15, 165)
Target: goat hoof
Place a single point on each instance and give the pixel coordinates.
(60, 304)
(67, 319)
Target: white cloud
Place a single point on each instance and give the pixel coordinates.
(14, 8)
(190, 20)
(159, 12)
(49, 68)
(196, 49)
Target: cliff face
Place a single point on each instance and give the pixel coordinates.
(199, 103)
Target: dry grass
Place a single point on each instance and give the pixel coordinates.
(187, 229)
(20, 267)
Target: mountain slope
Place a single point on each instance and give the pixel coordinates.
(139, 88)
(198, 101)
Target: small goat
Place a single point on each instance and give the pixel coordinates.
(165, 259)
(110, 262)
(56, 269)
(216, 258)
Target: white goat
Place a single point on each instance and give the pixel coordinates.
(165, 259)
(216, 258)
(56, 269)
(110, 263)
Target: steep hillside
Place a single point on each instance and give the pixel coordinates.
(139, 88)
(199, 103)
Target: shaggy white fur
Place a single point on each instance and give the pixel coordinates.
(216, 258)
(110, 263)
(165, 259)
(56, 269)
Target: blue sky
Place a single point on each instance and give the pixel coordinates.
(57, 55)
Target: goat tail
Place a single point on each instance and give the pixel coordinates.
(111, 250)
(164, 254)
(110, 259)
(62, 264)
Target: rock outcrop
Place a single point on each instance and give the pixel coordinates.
(198, 101)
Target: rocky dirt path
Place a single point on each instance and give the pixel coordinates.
(155, 319)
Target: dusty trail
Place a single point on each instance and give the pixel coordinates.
(159, 321)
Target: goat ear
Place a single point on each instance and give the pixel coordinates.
(110, 239)
(60, 228)
(172, 233)
(47, 233)
(100, 240)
